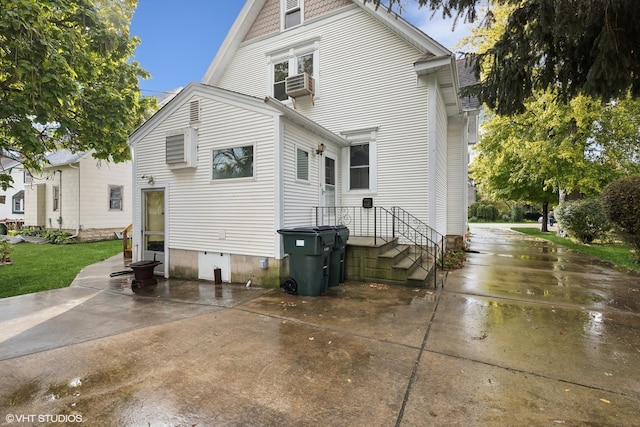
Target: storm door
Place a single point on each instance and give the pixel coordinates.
(153, 233)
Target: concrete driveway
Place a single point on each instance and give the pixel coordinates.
(526, 333)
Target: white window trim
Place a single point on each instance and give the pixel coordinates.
(358, 137)
(291, 54)
(283, 12)
(239, 179)
(295, 164)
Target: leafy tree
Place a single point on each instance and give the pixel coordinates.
(585, 47)
(66, 79)
(555, 148)
(621, 201)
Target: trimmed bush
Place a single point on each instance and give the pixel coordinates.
(483, 211)
(583, 219)
(621, 203)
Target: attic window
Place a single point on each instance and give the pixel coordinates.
(292, 13)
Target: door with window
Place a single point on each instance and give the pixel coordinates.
(329, 190)
(153, 227)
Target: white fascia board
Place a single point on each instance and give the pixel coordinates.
(229, 46)
(432, 65)
(305, 122)
(400, 26)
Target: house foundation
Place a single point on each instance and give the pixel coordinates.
(201, 265)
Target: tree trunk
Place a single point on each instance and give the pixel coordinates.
(545, 217)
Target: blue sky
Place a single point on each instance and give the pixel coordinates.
(180, 38)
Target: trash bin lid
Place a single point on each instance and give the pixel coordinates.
(144, 263)
(310, 229)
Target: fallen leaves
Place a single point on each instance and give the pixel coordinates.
(482, 336)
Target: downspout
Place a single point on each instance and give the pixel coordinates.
(78, 221)
(60, 201)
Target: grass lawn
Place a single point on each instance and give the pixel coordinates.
(617, 253)
(42, 267)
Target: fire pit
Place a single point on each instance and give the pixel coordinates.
(143, 273)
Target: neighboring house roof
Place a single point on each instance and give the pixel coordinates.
(240, 99)
(7, 163)
(64, 157)
(412, 35)
(164, 97)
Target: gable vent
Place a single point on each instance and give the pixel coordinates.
(194, 112)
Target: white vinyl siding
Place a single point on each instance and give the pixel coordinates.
(457, 180)
(225, 216)
(301, 197)
(441, 169)
(366, 82)
(95, 182)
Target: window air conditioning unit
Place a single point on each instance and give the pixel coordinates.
(300, 85)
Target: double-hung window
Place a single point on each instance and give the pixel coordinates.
(361, 170)
(292, 62)
(115, 197)
(302, 165)
(56, 197)
(291, 13)
(359, 167)
(18, 202)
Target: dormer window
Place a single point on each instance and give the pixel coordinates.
(292, 13)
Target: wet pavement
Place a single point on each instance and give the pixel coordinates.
(527, 333)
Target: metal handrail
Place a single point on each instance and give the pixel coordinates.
(385, 225)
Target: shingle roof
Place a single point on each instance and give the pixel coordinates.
(467, 77)
(64, 157)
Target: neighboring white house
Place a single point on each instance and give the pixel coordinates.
(308, 103)
(77, 194)
(12, 199)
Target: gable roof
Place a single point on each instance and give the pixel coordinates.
(251, 9)
(267, 105)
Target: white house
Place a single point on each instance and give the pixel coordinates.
(77, 194)
(12, 199)
(309, 109)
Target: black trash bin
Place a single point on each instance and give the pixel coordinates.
(336, 268)
(309, 249)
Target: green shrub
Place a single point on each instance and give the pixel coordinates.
(583, 219)
(56, 237)
(621, 203)
(5, 251)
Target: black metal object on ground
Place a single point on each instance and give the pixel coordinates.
(143, 273)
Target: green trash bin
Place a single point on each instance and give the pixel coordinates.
(336, 267)
(309, 249)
